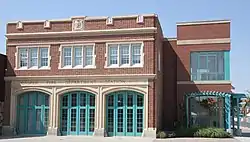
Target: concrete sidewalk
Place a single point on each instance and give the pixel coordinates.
(117, 139)
(196, 140)
(77, 139)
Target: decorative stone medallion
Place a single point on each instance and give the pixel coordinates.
(78, 25)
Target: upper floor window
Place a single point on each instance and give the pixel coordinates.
(33, 58)
(208, 65)
(78, 56)
(125, 55)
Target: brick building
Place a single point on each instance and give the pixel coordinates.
(109, 76)
(200, 60)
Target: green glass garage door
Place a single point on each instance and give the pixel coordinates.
(32, 113)
(124, 113)
(77, 113)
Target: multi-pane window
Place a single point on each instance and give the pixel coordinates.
(44, 56)
(207, 66)
(33, 57)
(89, 55)
(23, 55)
(113, 54)
(67, 56)
(78, 56)
(136, 53)
(125, 54)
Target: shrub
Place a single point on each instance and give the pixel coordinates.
(212, 133)
(202, 132)
(163, 134)
(171, 135)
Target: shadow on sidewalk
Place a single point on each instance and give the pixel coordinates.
(15, 137)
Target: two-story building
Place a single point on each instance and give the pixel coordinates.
(84, 75)
(114, 76)
(200, 56)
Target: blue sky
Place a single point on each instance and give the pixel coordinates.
(169, 12)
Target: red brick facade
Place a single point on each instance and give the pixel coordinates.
(180, 61)
(169, 83)
(120, 23)
(203, 31)
(151, 49)
(148, 67)
(62, 26)
(165, 58)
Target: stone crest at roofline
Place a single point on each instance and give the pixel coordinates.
(77, 24)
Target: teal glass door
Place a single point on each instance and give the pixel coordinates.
(32, 113)
(124, 113)
(77, 113)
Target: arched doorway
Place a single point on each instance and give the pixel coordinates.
(124, 113)
(32, 113)
(77, 113)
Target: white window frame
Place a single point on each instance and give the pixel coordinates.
(28, 67)
(19, 59)
(40, 57)
(119, 56)
(84, 55)
(119, 65)
(73, 56)
(82, 66)
(30, 58)
(71, 52)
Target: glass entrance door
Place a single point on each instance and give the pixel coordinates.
(32, 113)
(78, 113)
(124, 114)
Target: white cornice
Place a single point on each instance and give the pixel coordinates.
(202, 22)
(82, 33)
(170, 39)
(119, 17)
(205, 82)
(85, 17)
(96, 18)
(41, 21)
(203, 41)
(78, 42)
(84, 77)
(134, 16)
(78, 17)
